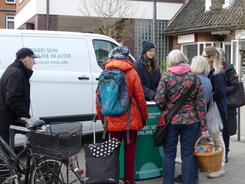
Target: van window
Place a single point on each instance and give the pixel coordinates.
(102, 48)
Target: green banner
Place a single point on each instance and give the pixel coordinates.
(148, 158)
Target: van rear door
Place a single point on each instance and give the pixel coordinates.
(61, 85)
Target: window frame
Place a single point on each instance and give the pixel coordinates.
(7, 2)
(205, 44)
(8, 19)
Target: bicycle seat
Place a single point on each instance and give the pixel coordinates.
(32, 124)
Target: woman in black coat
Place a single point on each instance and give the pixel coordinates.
(148, 70)
(230, 126)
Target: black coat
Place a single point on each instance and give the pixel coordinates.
(149, 81)
(232, 83)
(14, 94)
(218, 82)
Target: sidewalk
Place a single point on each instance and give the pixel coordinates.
(235, 168)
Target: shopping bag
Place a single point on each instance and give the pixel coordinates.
(159, 135)
(102, 162)
(236, 99)
(214, 120)
(161, 130)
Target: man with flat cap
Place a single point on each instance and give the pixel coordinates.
(15, 90)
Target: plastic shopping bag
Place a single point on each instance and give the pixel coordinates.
(214, 120)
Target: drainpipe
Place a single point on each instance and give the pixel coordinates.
(47, 16)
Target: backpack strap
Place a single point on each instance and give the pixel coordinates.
(128, 125)
(104, 126)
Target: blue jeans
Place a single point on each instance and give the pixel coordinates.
(188, 136)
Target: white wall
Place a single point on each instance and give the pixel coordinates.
(26, 13)
(137, 9)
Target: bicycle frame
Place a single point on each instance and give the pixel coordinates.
(32, 160)
(19, 168)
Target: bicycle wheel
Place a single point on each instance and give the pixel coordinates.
(51, 171)
(5, 167)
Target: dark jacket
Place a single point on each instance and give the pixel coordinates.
(149, 81)
(232, 83)
(218, 82)
(14, 94)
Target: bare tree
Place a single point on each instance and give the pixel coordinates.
(107, 16)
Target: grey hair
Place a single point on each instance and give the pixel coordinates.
(176, 57)
(200, 65)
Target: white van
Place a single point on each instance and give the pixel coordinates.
(64, 81)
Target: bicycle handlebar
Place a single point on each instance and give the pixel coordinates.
(32, 123)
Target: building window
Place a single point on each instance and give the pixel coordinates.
(190, 51)
(10, 1)
(9, 22)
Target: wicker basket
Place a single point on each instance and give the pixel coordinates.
(208, 162)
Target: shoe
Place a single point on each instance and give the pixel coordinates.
(196, 181)
(226, 159)
(217, 174)
(129, 182)
(178, 179)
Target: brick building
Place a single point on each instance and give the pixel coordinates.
(62, 15)
(7, 14)
(218, 23)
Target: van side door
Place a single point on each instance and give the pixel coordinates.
(61, 85)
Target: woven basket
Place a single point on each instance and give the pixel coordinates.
(208, 162)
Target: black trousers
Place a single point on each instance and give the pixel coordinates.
(226, 138)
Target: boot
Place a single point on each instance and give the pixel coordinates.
(226, 158)
(217, 174)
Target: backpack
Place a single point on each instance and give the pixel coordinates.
(112, 92)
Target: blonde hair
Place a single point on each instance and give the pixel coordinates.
(221, 53)
(217, 63)
(200, 65)
(176, 57)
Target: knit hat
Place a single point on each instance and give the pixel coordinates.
(24, 52)
(120, 52)
(147, 45)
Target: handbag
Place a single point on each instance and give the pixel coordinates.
(214, 120)
(236, 99)
(165, 118)
(102, 162)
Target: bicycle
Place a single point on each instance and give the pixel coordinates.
(41, 166)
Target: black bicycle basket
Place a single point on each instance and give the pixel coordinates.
(59, 141)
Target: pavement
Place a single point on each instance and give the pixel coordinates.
(235, 168)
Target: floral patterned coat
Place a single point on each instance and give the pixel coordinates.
(172, 85)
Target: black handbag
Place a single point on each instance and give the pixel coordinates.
(102, 162)
(236, 99)
(161, 130)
